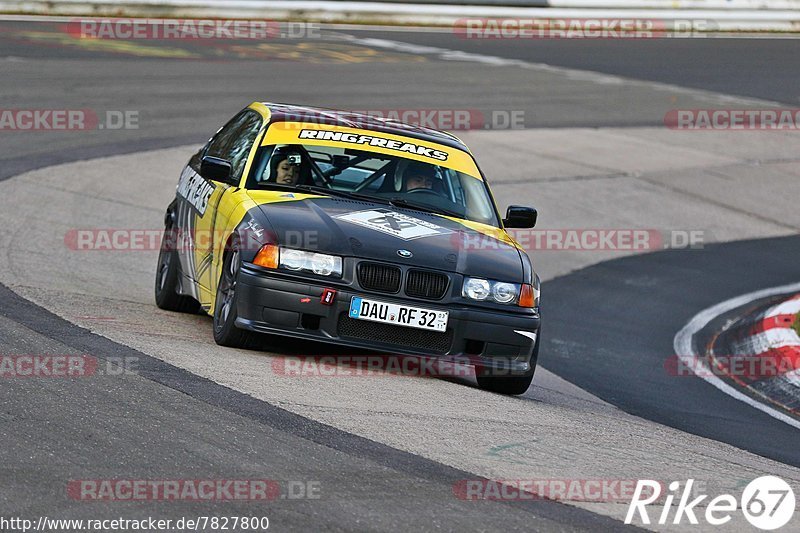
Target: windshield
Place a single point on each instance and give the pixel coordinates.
(384, 178)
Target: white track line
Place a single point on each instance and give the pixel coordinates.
(685, 350)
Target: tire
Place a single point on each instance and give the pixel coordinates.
(513, 384)
(225, 331)
(167, 272)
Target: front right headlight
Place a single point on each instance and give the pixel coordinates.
(272, 256)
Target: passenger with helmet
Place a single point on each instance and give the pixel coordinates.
(284, 166)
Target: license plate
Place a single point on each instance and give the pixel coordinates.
(399, 315)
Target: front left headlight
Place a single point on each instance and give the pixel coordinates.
(313, 262)
(476, 289)
(505, 293)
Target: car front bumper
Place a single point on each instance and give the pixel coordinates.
(272, 304)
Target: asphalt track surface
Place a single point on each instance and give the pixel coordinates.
(169, 421)
(757, 68)
(645, 387)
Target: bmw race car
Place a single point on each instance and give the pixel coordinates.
(340, 227)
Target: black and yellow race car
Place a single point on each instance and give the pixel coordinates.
(340, 227)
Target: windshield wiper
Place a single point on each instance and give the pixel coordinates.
(402, 202)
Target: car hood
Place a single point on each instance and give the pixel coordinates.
(386, 233)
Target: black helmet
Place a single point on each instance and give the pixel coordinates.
(418, 168)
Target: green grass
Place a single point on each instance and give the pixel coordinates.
(796, 325)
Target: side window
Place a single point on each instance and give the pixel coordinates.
(234, 140)
(218, 147)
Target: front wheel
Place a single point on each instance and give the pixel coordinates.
(512, 384)
(225, 331)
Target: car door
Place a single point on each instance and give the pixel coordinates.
(232, 143)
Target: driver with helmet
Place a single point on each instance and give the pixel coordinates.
(419, 176)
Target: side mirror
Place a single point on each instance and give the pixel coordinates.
(214, 168)
(518, 216)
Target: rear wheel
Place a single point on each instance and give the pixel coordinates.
(167, 272)
(225, 331)
(513, 384)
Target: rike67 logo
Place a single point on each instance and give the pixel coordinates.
(767, 502)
